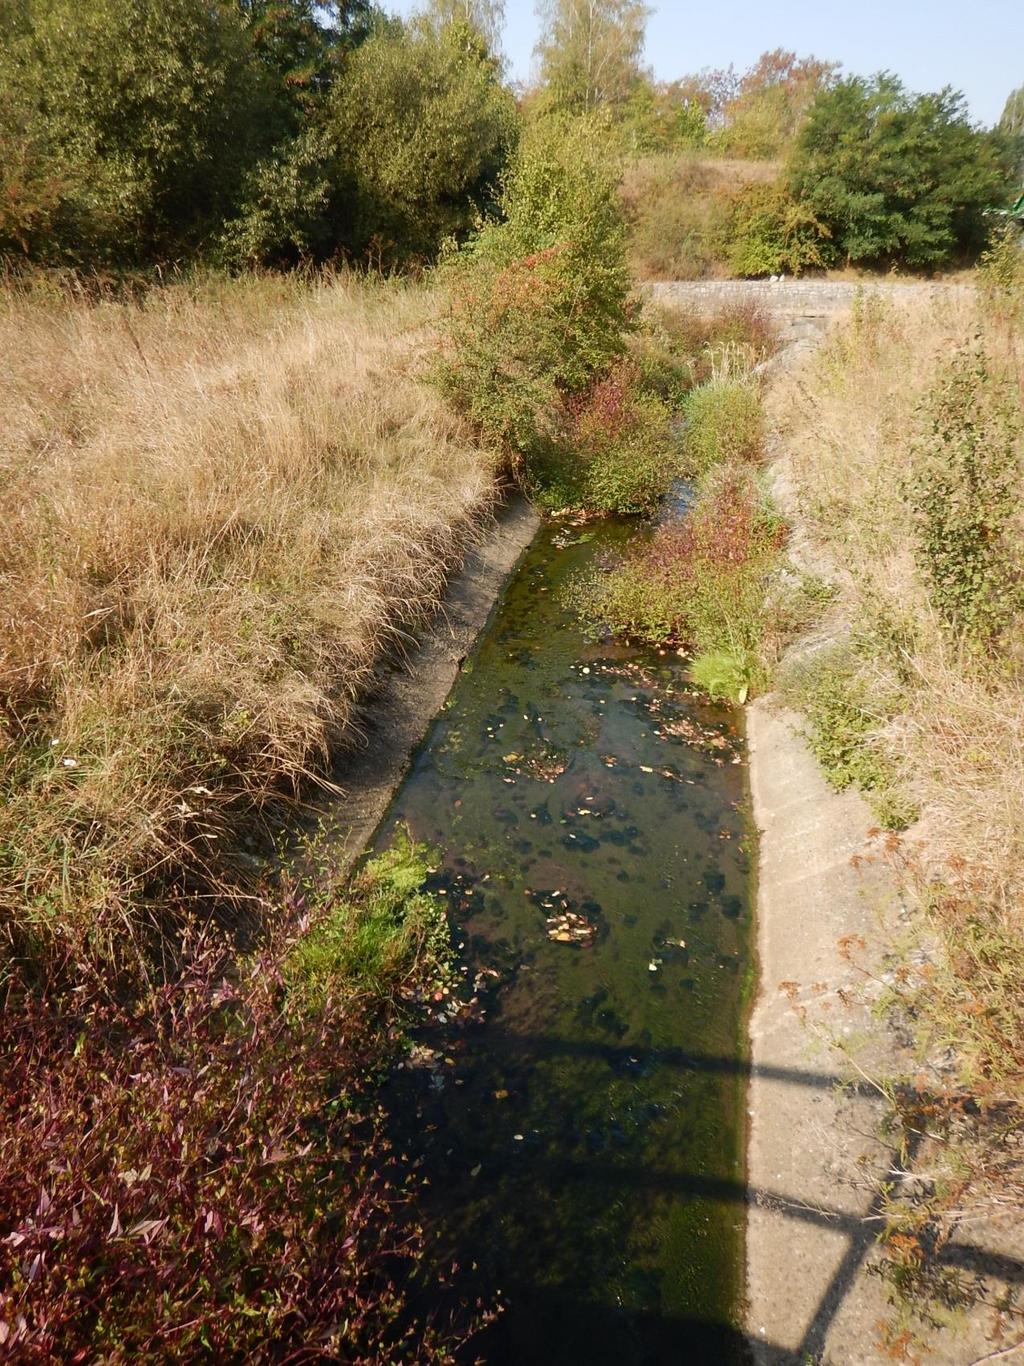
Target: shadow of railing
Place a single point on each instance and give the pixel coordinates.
(859, 1229)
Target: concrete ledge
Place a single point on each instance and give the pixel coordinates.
(812, 1155)
(407, 698)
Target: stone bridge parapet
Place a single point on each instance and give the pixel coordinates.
(802, 307)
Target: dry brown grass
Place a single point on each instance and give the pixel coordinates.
(850, 421)
(221, 505)
(853, 422)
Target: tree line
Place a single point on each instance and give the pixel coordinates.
(268, 132)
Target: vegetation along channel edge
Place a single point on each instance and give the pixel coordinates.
(324, 1038)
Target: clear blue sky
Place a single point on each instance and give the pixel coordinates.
(977, 46)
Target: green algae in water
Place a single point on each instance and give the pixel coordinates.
(584, 1146)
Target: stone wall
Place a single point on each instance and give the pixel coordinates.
(802, 307)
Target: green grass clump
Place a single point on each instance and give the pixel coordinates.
(705, 582)
(846, 713)
(724, 423)
(613, 449)
(725, 675)
(370, 940)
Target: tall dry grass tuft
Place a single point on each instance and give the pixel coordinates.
(677, 205)
(222, 503)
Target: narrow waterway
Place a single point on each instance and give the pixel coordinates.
(580, 1117)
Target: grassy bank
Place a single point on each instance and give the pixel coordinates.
(901, 441)
(678, 207)
(223, 503)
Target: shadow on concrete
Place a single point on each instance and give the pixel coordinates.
(589, 1332)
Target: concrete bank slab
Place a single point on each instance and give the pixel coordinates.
(815, 1162)
(407, 698)
(812, 1155)
(802, 308)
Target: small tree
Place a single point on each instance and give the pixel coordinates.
(771, 102)
(487, 17)
(895, 178)
(540, 294)
(1011, 126)
(425, 127)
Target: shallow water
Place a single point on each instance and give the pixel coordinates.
(581, 1122)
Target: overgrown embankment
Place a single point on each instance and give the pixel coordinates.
(225, 503)
(221, 503)
(901, 455)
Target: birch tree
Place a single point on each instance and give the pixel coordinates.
(486, 16)
(1011, 125)
(590, 50)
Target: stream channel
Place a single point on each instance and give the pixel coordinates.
(581, 1122)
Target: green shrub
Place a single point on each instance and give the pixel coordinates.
(965, 496)
(1002, 265)
(895, 178)
(767, 105)
(130, 126)
(768, 232)
(538, 309)
(611, 449)
(425, 127)
(846, 713)
(662, 367)
(705, 582)
(659, 118)
(286, 205)
(724, 422)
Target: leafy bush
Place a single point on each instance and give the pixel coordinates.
(610, 449)
(768, 232)
(770, 102)
(204, 1171)
(965, 496)
(425, 127)
(539, 310)
(131, 124)
(724, 423)
(1002, 264)
(704, 582)
(895, 178)
(659, 118)
(846, 713)
(286, 204)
